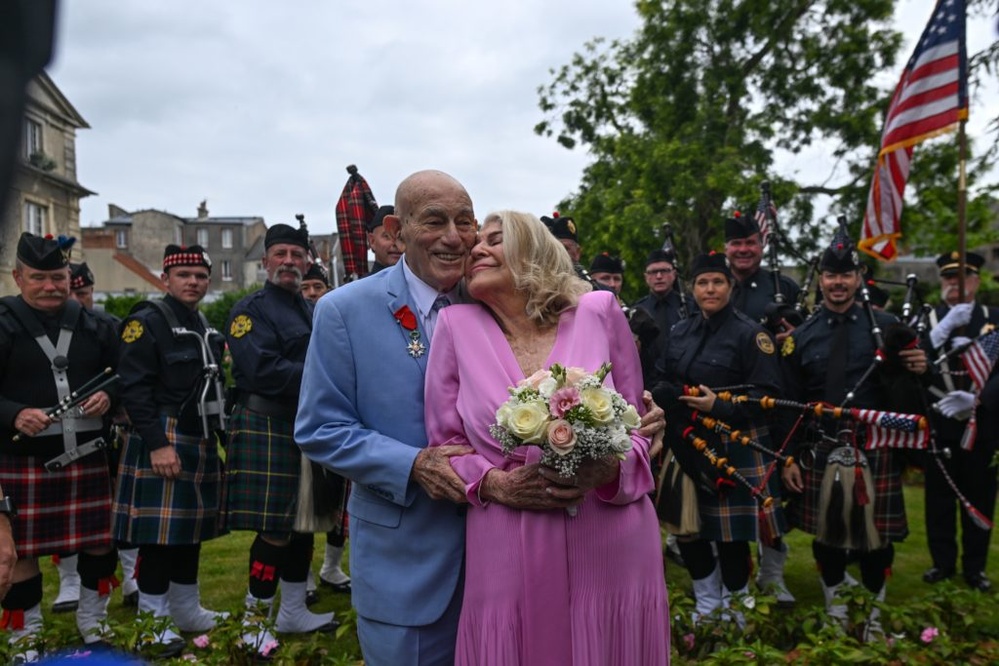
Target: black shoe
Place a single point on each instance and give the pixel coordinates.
(339, 588)
(167, 650)
(65, 606)
(935, 575)
(130, 600)
(311, 597)
(978, 581)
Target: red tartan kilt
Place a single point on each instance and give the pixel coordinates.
(64, 511)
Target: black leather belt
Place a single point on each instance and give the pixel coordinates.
(268, 407)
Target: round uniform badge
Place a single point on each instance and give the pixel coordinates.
(764, 342)
(788, 347)
(240, 326)
(133, 331)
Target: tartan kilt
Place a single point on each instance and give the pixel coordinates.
(734, 515)
(63, 511)
(263, 471)
(889, 503)
(150, 509)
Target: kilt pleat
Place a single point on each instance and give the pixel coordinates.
(263, 471)
(62, 511)
(150, 509)
(803, 509)
(734, 515)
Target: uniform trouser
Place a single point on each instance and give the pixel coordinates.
(975, 478)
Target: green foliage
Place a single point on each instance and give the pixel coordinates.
(217, 312)
(687, 117)
(120, 306)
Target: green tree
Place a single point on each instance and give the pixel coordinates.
(217, 312)
(120, 306)
(687, 117)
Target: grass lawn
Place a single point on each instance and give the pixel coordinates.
(224, 566)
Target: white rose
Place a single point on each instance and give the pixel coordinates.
(630, 418)
(503, 414)
(621, 442)
(528, 422)
(547, 386)
(600, 403)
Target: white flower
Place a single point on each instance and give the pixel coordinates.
(529, 422)
(547, 386)
(620, 442)
(503, 414)
(630, 418)
(600, 403)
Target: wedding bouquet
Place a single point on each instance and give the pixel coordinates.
(569, 414)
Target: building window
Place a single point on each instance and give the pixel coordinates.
(226, 270)
(227, 239)
(203, 238)
(121, 238)
(32, 138)
(34, 218)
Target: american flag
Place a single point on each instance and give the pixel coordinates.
(893, 430)
(762, 219)
(931, 97)
(980, 358)
(355, 208)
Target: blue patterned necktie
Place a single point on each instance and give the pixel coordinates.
(441, 302)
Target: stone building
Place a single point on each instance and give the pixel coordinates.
(45, 193)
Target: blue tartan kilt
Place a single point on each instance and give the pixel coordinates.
(62, 511)
(735, 514)
(149, 509)
(889, 503)
(263, 472)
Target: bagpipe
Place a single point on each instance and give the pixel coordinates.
(781, 310)
(669, 247)
(74, 399)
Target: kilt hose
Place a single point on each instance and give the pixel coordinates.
(263, 471)
(63, 511)
(149, 509)
(803, 509)
(734, 514)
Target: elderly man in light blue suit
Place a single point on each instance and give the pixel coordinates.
(361, 415)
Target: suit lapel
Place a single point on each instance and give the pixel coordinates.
(398, 298)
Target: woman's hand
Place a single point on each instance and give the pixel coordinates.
(791, 474)
(654, 420)
(702, 403)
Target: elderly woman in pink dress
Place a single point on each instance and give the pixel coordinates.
(544, 585)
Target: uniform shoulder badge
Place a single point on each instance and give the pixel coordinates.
(240, 326)
(788, 347)
(133, 331)
(764, 342)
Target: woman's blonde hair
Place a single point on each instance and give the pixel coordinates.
(540, 265)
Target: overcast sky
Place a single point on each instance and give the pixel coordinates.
(258, 106)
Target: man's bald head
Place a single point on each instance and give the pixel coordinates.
(422, 184)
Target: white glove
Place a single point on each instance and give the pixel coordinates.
(958, 316)
(956, 405)
(959, 341)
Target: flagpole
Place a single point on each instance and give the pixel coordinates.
(962, 195)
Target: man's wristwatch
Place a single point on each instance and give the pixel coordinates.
(7, 507)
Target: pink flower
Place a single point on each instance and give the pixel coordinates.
(563, 400)
(929, 633)
(688, 641)
(201, 641)
(573, 375)
(534, 381)
(561, 436)
(268, 647)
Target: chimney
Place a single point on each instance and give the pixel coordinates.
(203, 210)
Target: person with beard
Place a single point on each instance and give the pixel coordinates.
(268, 335)
(823, 359)
(387, 247)
(167, 500)
(954, 323)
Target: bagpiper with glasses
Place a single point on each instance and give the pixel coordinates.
(663, 302)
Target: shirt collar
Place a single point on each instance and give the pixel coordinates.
(423, 294)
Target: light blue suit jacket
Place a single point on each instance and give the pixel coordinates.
(361, 414)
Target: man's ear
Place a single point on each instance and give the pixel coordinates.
(392, 224)
(163, 277)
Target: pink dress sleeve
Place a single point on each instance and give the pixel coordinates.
(443, 419)
(635, 477)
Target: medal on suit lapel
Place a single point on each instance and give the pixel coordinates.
(407, 320)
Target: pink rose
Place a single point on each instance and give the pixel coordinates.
(561, 436)
(201, 641)
(573, 375)
(563, 400)
(534, 381)
(929, 633)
